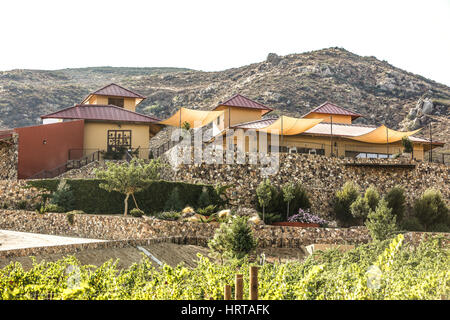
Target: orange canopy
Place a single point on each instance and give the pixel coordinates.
(195, 118)
(383, 134)
(289, 126)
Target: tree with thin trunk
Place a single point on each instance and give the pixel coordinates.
(129, 178)
(264, 193)
(288, 195)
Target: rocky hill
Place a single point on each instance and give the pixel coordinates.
(291, 84)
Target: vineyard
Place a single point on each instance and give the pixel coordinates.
(380, 270)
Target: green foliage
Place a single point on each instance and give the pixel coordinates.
(407, 145)
(381, 222)
(411, 224)
(168, 215)
(270, 217)
(174, 202)
(234, 239)
(360, 209)
(264, 193)
(203, 200)
(136, 212)
(90, 198)
(21, 205)
(63, 196)
(406, 273)
(300, 200)
(342, 201)
(207, 211)
(51, 207)
(129, 178)
(71, 216)
(372, 197)
(431, 210)
(396, 201)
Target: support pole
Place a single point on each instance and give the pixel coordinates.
(387, 142)
(227, 292)
(331, 136)
(253, 283)
(239, 290)
(281, 146)
(431, 145)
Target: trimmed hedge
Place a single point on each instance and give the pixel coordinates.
(90, 198)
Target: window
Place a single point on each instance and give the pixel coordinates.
(119, 102)
(119, 140)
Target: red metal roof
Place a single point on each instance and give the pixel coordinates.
(257, 124)
(117, 91)
(100, 112)
(331, 108)
(243, 102)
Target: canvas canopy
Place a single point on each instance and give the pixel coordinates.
(195, 118)
(383, 134)
(289, 126)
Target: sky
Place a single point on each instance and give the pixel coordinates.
(215, 35)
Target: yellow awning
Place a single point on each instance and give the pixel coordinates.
(195, 118)
(289, 126)
(383, 134)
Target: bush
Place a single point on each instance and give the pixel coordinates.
(168, 215)
(51, 207)
(342, 202)
(207, 211)
(372, 197)
(63, 196)
(431, 210)
(396, 201)
(234, 239)
(360, 209)
(136, 212)
(381, 222)
(270, 217)
(265, 192)
(90, 198)
(174, 202)
(411, 224)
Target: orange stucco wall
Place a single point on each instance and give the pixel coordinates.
(129, 103)
(239, 115)
(47, 146)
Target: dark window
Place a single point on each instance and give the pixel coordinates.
(119, 102)
(119, 140)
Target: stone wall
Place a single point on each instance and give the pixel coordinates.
(9, 154)
(132, 229)
(13, 192)
(322, 176)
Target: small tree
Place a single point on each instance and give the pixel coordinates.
(288, 194)
(381, 222)
(204, 200)
(342, 202)
(129, 178)
(264, 193)
(234, 239)
(396, 200)
(360, 209)
(431, 210)
(372, 197)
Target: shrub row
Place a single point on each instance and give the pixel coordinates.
(90, 198)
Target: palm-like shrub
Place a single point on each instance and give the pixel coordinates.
(381, 222)
(342, 202)
(396, 200)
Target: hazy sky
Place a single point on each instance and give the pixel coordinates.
(215, 35)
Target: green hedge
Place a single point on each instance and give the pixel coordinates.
(90, 198)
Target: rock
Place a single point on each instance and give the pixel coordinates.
(224, 213)
(427, 107)
(273, 58)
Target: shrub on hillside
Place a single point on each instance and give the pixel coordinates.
(431, 210)
(174, 202)
(168, 215)
(411, 224)
(360, 209)
(203, 200)
(396, 200)
(342, 202)
(372, 197)
(234, 239)
(381, 222)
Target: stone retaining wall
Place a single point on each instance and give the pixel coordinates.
(141, 229)
(9, 154)
(321, 176)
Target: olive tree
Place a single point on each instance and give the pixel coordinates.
(129, 178)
